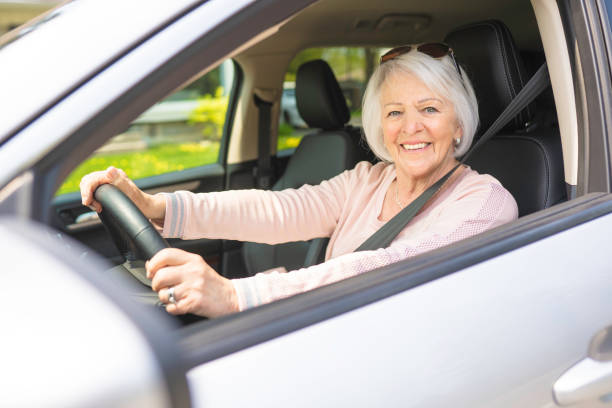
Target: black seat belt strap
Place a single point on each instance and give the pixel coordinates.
(538, 82)
(263, 171)
(387, 233)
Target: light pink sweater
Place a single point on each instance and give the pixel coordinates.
(346, 209)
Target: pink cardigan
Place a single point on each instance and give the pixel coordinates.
(346, 209)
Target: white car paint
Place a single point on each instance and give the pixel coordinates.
(63, 343)
(497, 334)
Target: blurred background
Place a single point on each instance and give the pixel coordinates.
(14, 13)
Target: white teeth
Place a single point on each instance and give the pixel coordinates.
(414, 146)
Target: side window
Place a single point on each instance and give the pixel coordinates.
(352, 67)
(182, 131)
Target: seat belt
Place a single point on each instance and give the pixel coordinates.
(263, 172)
(387, 233)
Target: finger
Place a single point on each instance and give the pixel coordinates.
(182, 306)
(85, 187)
(88, 186)
(164, 294)
(166, 257)
(166, 277)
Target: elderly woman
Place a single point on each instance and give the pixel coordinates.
(419, 114)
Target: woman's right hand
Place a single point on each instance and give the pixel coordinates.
(152, 206)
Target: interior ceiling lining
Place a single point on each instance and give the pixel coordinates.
(332, 22)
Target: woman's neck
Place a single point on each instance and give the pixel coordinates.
(410, 187)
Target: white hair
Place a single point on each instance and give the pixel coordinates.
(438, 74)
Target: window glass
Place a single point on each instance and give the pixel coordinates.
(182, 131)
(352, 66)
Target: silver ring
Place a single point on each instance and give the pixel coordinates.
(171, 298)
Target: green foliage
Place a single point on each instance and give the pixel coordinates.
(153, 161)
(288, 142)
(211, 111)
(348, 63)
(285, 129)
(206, 84)
(304, 56)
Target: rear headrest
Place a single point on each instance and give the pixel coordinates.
(487, 52)
(319, 98)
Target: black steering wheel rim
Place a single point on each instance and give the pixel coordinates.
(126, 222)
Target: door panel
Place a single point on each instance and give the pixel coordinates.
(496, 334)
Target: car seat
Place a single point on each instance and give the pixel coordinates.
(526, 155)
(321, 154)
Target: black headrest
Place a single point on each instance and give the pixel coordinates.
(486, 50)
(319, 98)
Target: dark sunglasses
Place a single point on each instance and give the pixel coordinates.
(434, 50)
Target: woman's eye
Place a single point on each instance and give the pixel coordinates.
(430, 109)
(393, 113)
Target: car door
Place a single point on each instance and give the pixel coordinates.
(491, 322)
(74, 337)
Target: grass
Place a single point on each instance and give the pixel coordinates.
(157, 160)
(151, 162)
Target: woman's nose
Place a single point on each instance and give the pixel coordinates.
(412, 124)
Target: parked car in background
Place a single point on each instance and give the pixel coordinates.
(289, 110)
(518, 316)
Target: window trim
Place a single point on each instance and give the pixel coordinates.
(589, 61)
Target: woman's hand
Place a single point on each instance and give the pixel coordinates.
(198, 289)
(153, 207)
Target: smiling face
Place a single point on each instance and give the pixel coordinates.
(419, 128)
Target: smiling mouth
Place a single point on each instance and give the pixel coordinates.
(416, 146)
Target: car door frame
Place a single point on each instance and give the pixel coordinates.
(587, 31)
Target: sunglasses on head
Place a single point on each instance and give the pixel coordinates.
(434, 50)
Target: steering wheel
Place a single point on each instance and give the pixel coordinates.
(128, 227)
(133, 232)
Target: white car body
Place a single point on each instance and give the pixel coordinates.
(497, 320)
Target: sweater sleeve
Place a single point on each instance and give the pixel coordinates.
(269, 217)
(481, 209)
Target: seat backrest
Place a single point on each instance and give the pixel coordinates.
(526, 155)
(321, 155)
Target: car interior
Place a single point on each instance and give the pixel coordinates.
(500, 46)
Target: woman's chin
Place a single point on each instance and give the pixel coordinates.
(420, 168)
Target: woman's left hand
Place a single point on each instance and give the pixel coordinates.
(198, 288)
